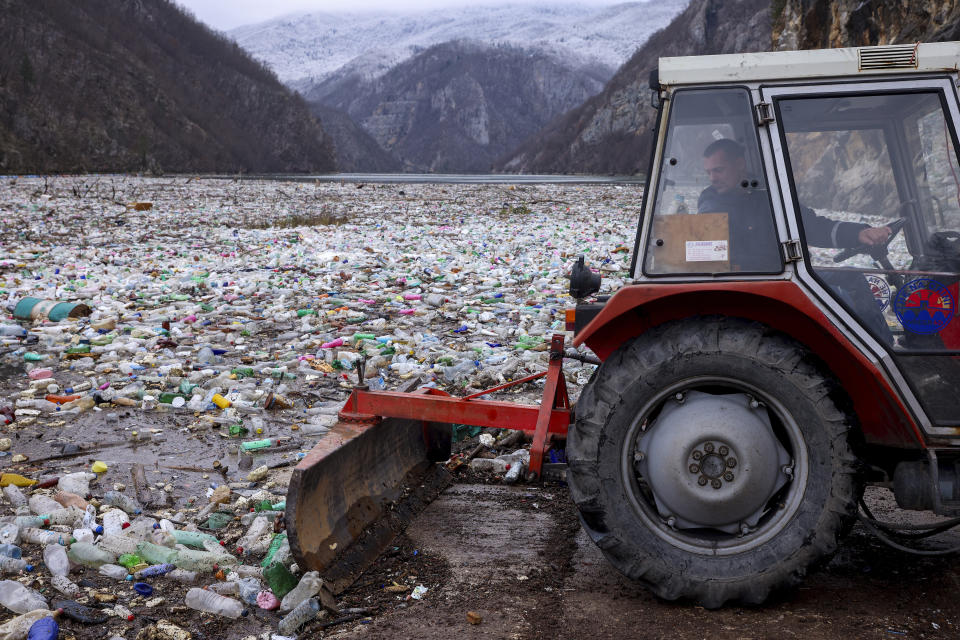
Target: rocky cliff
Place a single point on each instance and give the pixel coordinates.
(611, 132)
(354, 150)
(135, 85)
(818, 24)
(457, 106)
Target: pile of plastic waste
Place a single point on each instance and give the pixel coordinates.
(169, 347)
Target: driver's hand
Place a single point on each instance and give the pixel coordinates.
(874, 235)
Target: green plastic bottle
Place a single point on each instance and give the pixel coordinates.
(253, 445)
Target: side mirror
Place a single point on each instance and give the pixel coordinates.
(583, 282)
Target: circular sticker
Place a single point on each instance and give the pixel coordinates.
(880, 290)
(924, 306)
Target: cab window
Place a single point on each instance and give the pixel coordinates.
(711, 212)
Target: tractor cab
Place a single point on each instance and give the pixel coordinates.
(834, 169)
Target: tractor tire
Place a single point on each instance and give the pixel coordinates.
(654, 470)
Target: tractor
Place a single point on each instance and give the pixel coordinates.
(788, 337)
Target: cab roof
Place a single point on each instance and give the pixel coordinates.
(815, 63)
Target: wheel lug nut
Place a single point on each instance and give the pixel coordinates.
(679, 398)
(716, 484)
(731, 462)
(702, 480)
(708, 447)
(728, 476)
(697, 455)
(724, 450)
(671, 522)
(694, 468)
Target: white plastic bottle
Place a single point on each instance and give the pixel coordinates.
(33, 535)
(113, 521)
(16, 498)
(309, 586)
(203, 600)
(55, 557)
(65, 585)
(9, 533)
(19, 599)
(301, 615)
(114, 571)
(12, 565)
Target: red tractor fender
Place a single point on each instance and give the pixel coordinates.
(782, 305)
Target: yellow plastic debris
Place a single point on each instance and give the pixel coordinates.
(99, 466)
(15, 479)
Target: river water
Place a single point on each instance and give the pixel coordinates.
(450, 178)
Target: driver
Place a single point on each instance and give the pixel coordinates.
(750, 220)
(751, 228)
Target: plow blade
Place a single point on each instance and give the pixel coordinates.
(359, 487)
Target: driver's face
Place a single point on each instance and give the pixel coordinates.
(725, 172)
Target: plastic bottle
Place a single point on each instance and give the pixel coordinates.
(41, 536)
(154, 571)
(155, 554)
(69, 516)
(19, 628)
(9, 533)
(10, 550)
(13, 330)
(248, 588)
(259, 528)
(89, 555)
(203, 600)
(123, 501)
(309, 586)
(113, 521)
(78, 483)
(55, 557)
(65, 585)
(16, 498)
(122, 612)
(113, 571)
(31, 521)
(301, 615)
(40, 504)
(183, 576)
(90, 520)
(12, 565)
(83, 535)
(19, 599)
(118, 544)
(163, 538)
(203, 560)
(194, 539)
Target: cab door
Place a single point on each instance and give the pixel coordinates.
(874, 199)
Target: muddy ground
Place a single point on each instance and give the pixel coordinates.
(517, 556)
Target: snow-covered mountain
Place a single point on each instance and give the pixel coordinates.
(305, 48)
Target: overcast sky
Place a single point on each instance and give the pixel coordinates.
(227, 14)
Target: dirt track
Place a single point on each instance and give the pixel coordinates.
(517, 556)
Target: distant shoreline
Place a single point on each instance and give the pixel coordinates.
(441, 178)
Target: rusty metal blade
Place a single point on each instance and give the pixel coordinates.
(359, 487)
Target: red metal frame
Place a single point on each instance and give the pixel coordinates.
(550, 418)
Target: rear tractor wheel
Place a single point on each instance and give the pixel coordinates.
(709, 461)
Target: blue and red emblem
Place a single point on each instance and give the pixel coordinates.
(924, 306)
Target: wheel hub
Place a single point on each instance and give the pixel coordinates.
(712, 461)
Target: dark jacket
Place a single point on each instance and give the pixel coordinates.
(753, 237)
